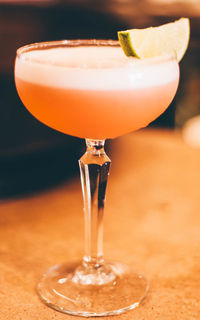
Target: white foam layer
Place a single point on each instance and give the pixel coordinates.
(94, 68)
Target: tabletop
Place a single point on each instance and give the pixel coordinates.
(152, 221)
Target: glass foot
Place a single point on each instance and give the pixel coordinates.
(68, 289)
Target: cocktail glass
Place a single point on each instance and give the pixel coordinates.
(90, 89)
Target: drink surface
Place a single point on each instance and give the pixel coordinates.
(94, 92)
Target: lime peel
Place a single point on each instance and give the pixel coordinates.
(170, 38)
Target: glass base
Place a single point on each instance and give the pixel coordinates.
(69, 289)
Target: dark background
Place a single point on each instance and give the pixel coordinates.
(33, 156)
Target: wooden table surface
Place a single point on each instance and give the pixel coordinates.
(152, 221)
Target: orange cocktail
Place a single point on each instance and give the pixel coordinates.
(90, 89)
(95, 92)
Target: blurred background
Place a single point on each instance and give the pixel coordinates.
(34, 157)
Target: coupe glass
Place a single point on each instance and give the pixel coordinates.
(93, 94)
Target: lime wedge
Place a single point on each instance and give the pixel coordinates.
(151, 42)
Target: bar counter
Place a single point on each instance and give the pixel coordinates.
(152, 221)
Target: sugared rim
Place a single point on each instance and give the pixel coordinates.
(20, 54)
(66, 43)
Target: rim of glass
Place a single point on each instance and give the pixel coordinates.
(66, 43)
(84, 42)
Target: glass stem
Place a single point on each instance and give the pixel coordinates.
(94, 170)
